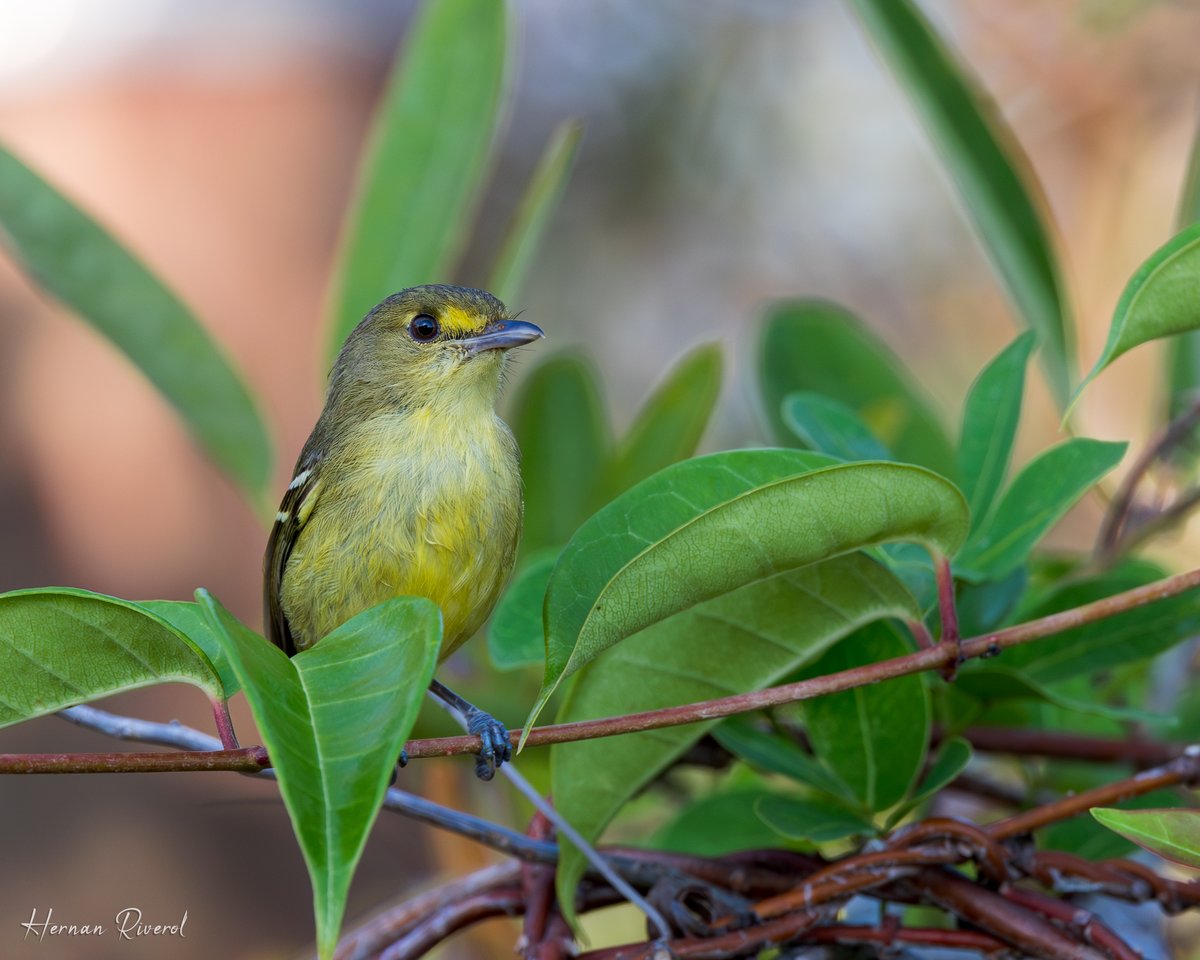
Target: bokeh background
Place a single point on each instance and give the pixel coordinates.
(735, 151)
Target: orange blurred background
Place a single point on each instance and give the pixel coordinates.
(733, 153)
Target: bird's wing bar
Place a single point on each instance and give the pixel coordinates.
(297, 506)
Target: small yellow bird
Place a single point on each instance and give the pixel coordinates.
(409, 483)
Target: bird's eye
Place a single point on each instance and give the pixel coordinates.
(423, 327)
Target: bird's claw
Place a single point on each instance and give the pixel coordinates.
(495, 745)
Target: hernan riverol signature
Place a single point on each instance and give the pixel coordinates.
(126, 925)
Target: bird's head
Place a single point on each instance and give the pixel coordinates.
(432, 344)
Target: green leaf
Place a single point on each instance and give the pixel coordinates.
(951, 760)
(744, 640)
(670, 424)
(1172, 834)
(992, 175)
(334, 718)
(72, 257)
(1114, 641)
(60, 646)
(710, 525)
(515, 633)
(1046, 489)
(190, 620)
(717, 824)
(774, 753)
(996, 684)
(810, 818)
(1162, 298)
(537, 205)
(817, 347)
(990, 419)
(872, 738)
(1183, 351)
(562, 430)
(426, 157)
(830, 426)
(984, 607)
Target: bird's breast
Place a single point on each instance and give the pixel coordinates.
(437, 510)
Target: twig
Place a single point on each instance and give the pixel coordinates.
(987, 645)
(1070, 746)
(1118, 511)
(453, 917)
(891, 935)
(565, 829)
(373, 936)
(998, 916)
(1089, 927)
(1180, 771)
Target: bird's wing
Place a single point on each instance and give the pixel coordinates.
(297, 506)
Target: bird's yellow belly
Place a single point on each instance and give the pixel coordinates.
(437, 519)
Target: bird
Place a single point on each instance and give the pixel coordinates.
(409, 484)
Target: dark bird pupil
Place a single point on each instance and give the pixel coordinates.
(424, 327)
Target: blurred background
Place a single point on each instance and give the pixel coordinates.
(734, 152)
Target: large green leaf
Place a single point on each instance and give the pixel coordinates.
(744, 640)
(425, 159)
(873, 738)
(72, 257)
(992, 175)
(562, 430)
(1173, 834)
(61, 646)
(1114, 641)
(334, 718)
(1039, 496)
(707, 526)
(830, 426)
(990, 418)
(536, 207)
(818, 347)
(1162, 298)
(515, 632)
(669, 425)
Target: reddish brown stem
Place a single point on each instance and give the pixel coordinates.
(1117, 516)
(242, 760)
(374, 935)
(935, 658)
(1071, 746)
(1181, 771)
(916, 936)
(951, 638)
(224, 723)
(1086, 924)
(728, 945)
(994, 914)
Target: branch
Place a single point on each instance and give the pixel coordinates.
(1070, 746)
(938, 657)
(1182, 771)
(1117, 516)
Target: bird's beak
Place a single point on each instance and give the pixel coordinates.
(504, 334)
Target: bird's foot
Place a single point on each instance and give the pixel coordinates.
(496, 747)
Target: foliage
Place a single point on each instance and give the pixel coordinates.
(650, 577)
